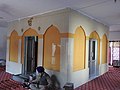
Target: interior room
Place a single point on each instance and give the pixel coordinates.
(77, 41)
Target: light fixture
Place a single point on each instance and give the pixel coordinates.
(39, 28)
(30, 21)
(22, 30)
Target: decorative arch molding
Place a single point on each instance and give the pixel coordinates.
(14, 40)
(79, 49)
(51, 52)
(104, 49)
(94, 35)
(53, 28)
(28, 32)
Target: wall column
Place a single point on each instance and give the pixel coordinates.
(87, 53)
(40, 52)
(19, 51)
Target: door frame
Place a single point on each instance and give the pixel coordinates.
(24, 66)
(93, 58)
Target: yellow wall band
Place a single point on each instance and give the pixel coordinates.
(62, 35)
(40, 36)
(87, 37)
(66, 35)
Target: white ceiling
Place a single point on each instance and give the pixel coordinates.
(105, 11)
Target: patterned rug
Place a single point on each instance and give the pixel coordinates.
(2, 68)
(108, 81)
(6, 83)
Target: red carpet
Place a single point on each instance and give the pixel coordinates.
(2, 68)
(6, 83)
(108, 81)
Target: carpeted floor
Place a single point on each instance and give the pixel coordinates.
(2, 68)
(6, 83)
(108, 81)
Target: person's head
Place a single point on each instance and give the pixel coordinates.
(40, 69)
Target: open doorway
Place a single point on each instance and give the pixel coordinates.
(114, 53)
(30, 54)
(92, 58)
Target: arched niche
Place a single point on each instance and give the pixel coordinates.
(104, 49)
(51, 52)
(94, 35)
(28, 32)
(14, 40)
(79, 49)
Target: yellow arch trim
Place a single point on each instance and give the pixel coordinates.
(52, 35)
(13, 49)
(79, 49)
(104, 48)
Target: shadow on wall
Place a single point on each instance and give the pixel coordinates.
(55, 82)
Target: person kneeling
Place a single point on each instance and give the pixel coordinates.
(42, 81)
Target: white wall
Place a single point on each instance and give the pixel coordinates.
(13, 67)
(58, 19)
(89, 25)
(114, 35)
(3, 42)
(66, 21)
(103, 68)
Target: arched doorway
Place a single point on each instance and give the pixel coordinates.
(29, 51)
(92, 57)
(94, 54)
